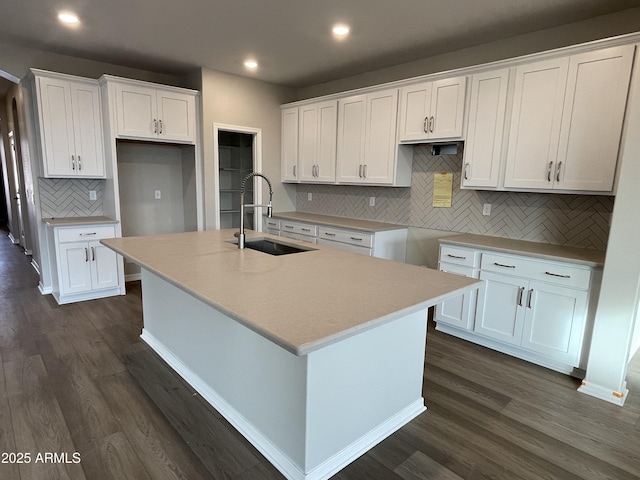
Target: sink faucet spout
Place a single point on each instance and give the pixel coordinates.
(240, 234)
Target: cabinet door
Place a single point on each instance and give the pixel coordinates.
(554, 321)
(500, 314)
(459, 311)
(326, 145)
(415, 110)
(176, 117)
(598, 83)
(447, 108)
(289, 145)
(380, 137)
(535, 124)
(307, 142)
(137, 111)
(351, 138)
(88, 132)
(56, 124)
(75, 267)
(483, 145)
(104, 266)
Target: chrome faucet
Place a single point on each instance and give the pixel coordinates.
(240, 234)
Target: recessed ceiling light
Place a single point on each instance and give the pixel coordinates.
(68, 18)
(251, 64)
(341, 30)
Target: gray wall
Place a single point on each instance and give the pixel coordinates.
(232, 100)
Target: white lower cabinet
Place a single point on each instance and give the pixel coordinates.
(459, 311)
(534, 309)
(85, 268)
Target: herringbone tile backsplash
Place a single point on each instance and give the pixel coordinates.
(576, 220)
(69, 197)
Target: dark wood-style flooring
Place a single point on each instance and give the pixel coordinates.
(76, 378)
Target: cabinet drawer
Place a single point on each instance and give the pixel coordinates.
(350, 237)
(347, 247)
(300, 228)
(272, 231)
(297, 236)
(551, 272)
(271, 223)
(86, 233)
(458, 270)
(459, 256)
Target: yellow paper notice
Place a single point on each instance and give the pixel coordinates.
(442, 189)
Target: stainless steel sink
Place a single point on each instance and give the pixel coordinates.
(274, 247)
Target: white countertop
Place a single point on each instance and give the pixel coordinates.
(583, 256)
(343, 222)
(79, 221)
(302, 302)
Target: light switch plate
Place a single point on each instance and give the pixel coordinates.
(92, 195)
(309, 196)
(158, 194)
(486, 209)
(372, 201)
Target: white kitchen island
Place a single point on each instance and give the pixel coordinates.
(315, 357)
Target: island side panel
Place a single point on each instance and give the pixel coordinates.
(363, 389)
(259, 387)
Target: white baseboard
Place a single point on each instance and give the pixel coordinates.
(289, 469)
(35, 266)
(13, 239)
(605, 394)
(44, 290)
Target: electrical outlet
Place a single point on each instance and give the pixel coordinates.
(92, 195)
(158, 194)
(372, 201)
(309, 196)
(486, 209)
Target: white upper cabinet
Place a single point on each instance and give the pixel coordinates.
(154, 112)
(535, 123)
(70, 124)
(597, 87)
(484, 139)
(289, 166)
(567, 121)
(317, 142)
(368, 151)
(432, 111)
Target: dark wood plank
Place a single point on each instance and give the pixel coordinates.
(421, 467)
(113, 458)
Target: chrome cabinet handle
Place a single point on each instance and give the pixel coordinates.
(315, 170)
(558, 171)
(549, 172)
(360, 171)
(431, 124)
(529, 295)
(520, 293)
(503, 265)
(73, 162)
(306, 229)
(86, 254)
(425, 125)
(456, 256)
(330, 234)
(88, 234)
(288, 226)
(160, 129)
(155, 126)
(557, 275)
(356, 239)
(364, 171)
(294, 170)
(466, 170)
(79, 163)
(93, 254)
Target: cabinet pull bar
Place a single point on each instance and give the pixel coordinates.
(549, 172)
(88, 234)
(155, 126)
(431, 124)
(360, 171)
(79, 163)
(356, 239)
(330, 234)
(529, 295)
(86, 254)
(425, 125)
(306, 229)
(364, 171)
(456, 256)
(93, 254)
(502, 265)
(558, 171)
(288, 226)
(73, 162)
(520, 293)
(160, 123)
(466, 170)
(557, 275)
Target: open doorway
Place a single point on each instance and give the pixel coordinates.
(237, 154)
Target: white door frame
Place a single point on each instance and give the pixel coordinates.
(257, 167)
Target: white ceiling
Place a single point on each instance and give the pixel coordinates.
(290, 38)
